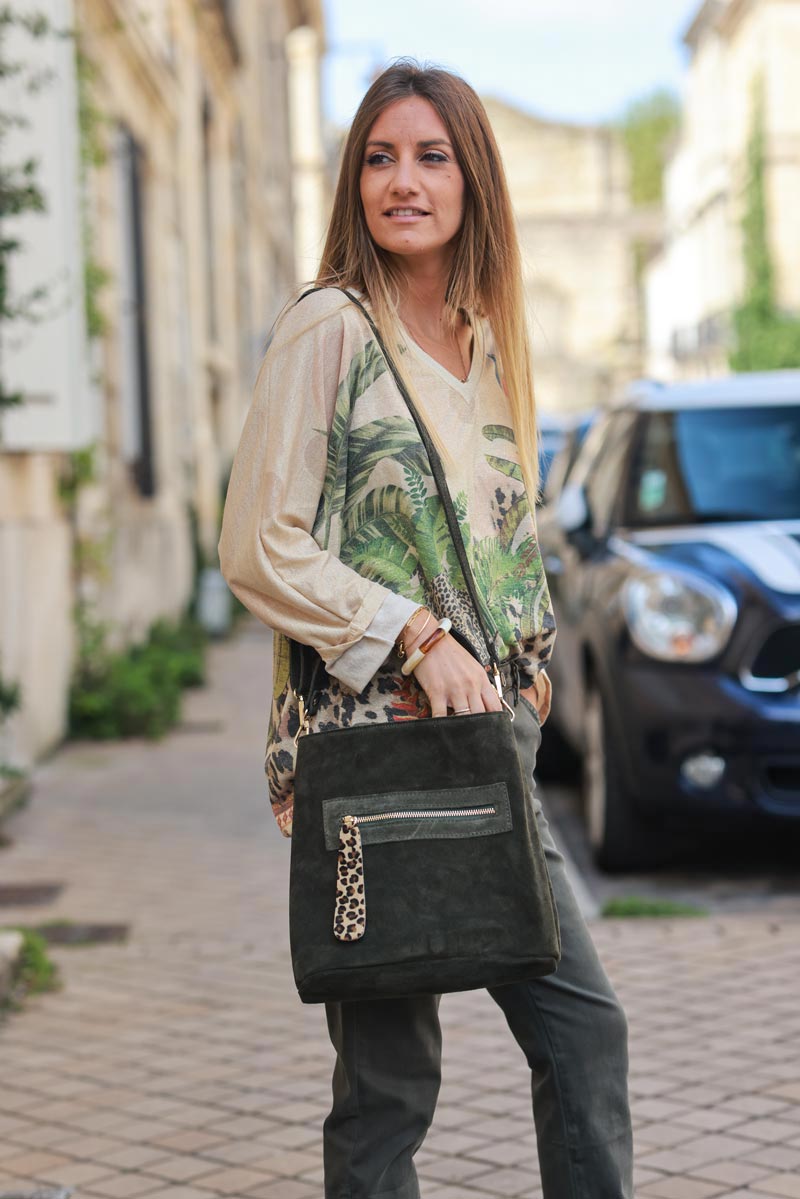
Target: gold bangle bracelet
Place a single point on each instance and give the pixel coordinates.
(401, 641)
(428, 618)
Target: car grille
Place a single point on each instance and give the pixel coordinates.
(776, 666)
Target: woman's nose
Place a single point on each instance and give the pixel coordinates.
(404, 177)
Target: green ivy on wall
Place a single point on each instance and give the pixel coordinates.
(648, 126)
(764, 337)
(19, 190)
(91, 125)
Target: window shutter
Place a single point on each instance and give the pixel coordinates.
(47, 361)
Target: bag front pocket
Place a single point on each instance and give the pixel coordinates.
(406, 816)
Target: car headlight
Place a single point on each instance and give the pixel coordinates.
(678, 619)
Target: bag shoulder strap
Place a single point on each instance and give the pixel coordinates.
(302, 669)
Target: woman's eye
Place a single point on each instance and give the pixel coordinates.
(378, 158)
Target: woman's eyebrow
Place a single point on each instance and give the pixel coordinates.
(433, 141)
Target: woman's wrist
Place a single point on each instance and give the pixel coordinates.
(418, 653)
(414, 631)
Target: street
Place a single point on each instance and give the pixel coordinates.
(756, 876)
(181, 1065)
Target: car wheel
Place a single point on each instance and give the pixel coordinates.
(618, 839)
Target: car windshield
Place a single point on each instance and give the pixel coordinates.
(717, 464)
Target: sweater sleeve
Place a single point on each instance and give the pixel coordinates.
(267, 552)
(357, 665)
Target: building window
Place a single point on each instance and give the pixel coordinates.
(134, 386)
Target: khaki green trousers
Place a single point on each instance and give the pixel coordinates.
(569, 1025)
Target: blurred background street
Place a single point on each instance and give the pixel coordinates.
(167, 174)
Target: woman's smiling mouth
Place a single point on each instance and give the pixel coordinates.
(405, 214)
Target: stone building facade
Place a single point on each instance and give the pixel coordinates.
(192, 214)
(698, 277)
(570, 189)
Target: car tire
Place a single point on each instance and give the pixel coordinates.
(617, 836)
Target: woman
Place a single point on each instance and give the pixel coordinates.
(334, 535)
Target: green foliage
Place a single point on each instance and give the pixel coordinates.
(34, 972)
(10, 701)
(90, 553)
(79, 471)
(131, 698)
(765, 339)
(10, 698)
(137, 692)
(635, 905)
(92, 122)
(19, 190)
(185, 642)
(648, 126)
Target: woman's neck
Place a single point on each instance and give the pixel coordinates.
(422, 297)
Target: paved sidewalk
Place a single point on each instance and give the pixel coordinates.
(182, 1066)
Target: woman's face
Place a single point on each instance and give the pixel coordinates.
(412, 188)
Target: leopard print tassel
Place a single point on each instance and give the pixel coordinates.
(350, 916)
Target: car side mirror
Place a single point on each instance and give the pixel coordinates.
(572, 509)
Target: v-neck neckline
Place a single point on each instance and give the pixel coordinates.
(468, 386)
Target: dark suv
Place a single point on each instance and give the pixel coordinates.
(672, 550)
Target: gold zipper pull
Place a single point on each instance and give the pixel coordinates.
(350, 911)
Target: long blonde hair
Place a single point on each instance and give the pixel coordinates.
(486, 272)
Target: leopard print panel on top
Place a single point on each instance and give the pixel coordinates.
(350, 912)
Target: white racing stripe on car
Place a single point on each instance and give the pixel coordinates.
(773, 557)
(767, 548)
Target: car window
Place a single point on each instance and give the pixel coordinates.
(717, 464)
(559, 468)
(606, 479)
(591, 448)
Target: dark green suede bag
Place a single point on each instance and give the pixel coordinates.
(417, 866)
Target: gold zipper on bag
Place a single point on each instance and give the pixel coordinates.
(350, 912)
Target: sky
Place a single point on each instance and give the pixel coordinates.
(570, 60)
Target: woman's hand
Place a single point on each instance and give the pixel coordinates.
(452, 678)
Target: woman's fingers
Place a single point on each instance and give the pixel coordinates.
(453, 681)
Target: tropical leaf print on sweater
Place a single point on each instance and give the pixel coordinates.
(381, 514)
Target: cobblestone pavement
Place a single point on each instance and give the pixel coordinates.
(182, 1066)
